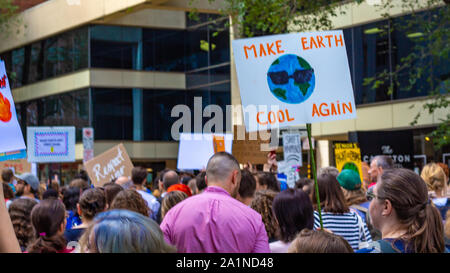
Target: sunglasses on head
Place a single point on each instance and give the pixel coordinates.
(299, 76)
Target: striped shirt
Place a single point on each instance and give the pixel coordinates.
(345, 225)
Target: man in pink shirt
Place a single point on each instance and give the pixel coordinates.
(214, 221)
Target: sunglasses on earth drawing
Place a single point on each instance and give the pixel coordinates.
(299, 76)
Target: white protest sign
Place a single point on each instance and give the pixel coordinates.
(12, 144)
(51, 144)
(196, 149)
(292, 149)
(290, 171)
(293, 79)
(88, 144)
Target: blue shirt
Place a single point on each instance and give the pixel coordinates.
(73, 220)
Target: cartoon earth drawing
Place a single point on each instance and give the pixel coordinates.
(5, 109)
(291, 79)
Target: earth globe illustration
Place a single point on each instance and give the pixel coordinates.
(291, 79)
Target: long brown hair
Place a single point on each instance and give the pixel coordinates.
(19, 212)
(408, 195)
(354, 197)
(331, 196)
(46, 218)
(262, 203)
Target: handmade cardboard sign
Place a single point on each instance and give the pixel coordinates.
(348, 156)
(196, 149)
(19, 166)
(51, 144)
(293, 79)
(247, 147)
(111, 164)
(12, 144)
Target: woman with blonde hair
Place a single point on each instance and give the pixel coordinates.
(170, 200)
(434, 177)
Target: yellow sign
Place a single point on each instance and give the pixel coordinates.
(348, 156)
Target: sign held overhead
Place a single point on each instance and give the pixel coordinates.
(292, 79)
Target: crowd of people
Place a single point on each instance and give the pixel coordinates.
(226, 209)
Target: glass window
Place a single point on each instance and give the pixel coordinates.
(115, 47)
(112, 113)
(197, 48)
(36, 68)
(220, 43)
(158, 106)
(409, 37)
(164, 50)
(18, 62)
(67, 109)
(109, 54)
(206, 76)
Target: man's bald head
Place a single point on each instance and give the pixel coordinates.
(170, 178)
(122, 180)
(220, 167)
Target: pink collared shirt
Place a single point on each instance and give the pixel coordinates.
(215, 222)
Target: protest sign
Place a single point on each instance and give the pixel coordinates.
(196, 149)
(111, 164)
(12, 144)
(399, 145)
(88, 144)
(292, 149)
(294, 79)
(290, 171)
(18, 165)
(348, 156)
(51, 144)
(247, 147)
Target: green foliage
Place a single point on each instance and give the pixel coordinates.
(7, 11)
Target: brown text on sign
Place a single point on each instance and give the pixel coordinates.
(322, 41)
(263, 49)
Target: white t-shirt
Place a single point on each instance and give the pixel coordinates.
(279, 247)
